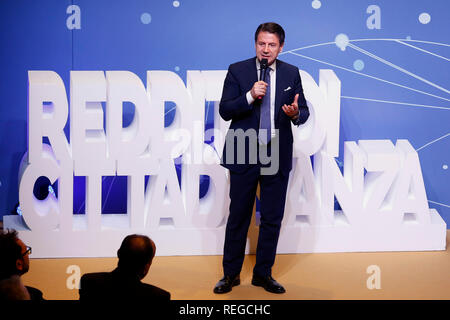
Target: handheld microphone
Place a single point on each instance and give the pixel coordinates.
(263, 71)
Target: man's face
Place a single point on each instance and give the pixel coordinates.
(267, 46)
(23, 264)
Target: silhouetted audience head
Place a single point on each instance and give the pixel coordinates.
(136, 254)
(124, 283)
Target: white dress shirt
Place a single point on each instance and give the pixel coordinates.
(273, 81)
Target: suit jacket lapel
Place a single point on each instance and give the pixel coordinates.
(279, 88)
(252, 72)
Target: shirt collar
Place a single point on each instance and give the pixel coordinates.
(273, 66)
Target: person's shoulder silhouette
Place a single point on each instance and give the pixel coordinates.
(124, 283)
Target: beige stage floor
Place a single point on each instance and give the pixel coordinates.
(403, 275)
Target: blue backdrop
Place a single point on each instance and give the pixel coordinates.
(391, 56)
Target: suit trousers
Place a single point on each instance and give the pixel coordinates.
(243, 188)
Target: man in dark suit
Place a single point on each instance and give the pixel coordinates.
(124, 283)
(258, 149)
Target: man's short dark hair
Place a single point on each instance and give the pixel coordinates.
(135, 252)
(10, 251)
(271, 27)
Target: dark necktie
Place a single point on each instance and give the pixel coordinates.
(264, 119)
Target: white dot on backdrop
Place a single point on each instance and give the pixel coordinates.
(146, 18)
(408, 38)
(176, 4)
(342, 41)
(445, 167)
(358, 65)
(424, 18)
(316, 4)
(177, 68)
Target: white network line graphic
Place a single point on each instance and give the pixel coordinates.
(434, 141)
(423, 50)
(438, 203)
(109, 190)
(401, 41)
(397, 67)
(369, 76)
(396, 102)
(359, 40)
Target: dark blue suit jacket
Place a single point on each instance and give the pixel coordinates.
(234, 106)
